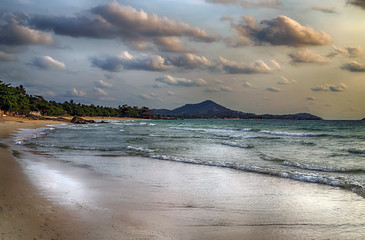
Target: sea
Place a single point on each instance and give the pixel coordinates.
(318, 152)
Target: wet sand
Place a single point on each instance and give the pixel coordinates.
(46, 199)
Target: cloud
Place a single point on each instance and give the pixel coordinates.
(324, 9)
(284, 81)
(354, 66)
(311, 98)
(348, 51)
(358, 3)
(219, 89)
(47, 63)
(233, 67)
(248, 85)
(174, 81)
(250, 3)
(281, 30)
(276, 64)
(113, 20)
(307, 56)
(14, 34)
(102, 84)
(147, 96)
(100, 91)
(127, 61)
(330, 88)
(4, 57)
(170, 93)
(77, 93)
(190, 61)
(273, 89)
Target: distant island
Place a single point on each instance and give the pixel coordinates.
(16, 101)
(209, 109)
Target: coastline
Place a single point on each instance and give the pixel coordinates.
(24, 213)
(187, 202)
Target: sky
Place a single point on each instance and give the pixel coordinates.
(259, 56)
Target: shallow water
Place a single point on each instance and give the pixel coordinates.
(132, 170)
(326, 152)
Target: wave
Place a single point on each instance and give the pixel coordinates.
(271, 159)
(24, 135)
(234, 144)
(322, 168)
(356, 151)
(290, 134)
(310, 177)
(140, 149)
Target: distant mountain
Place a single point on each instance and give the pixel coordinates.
(210, 109)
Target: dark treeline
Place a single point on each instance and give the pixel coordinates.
(16, 100)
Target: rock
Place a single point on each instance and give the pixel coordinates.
(35, 117)
(80, 120)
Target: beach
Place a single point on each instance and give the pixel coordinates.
(43, 198)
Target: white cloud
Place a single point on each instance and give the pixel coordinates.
(175, 81)
(190, 61)
(100, 91)
(285, 81)
(102, 84)
(77, 93)
(233, 67)
(219, 89)
(47, 63)
(307, 56)
(126, 61)
(278, 31)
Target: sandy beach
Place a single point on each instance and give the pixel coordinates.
(163, 200)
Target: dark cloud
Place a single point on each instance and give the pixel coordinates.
(233, 67)
(354, 66)
(47, 63)
(330, 88)
(358, 3)
(136, 28)
(127, 61)
(281, 30)
(273, 89)
(307, 56)
(311, 99)
(175, 81)
(13, 32)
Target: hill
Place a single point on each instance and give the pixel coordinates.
(210, 109)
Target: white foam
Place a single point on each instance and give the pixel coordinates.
(289, 134)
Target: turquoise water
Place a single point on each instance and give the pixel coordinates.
(326, 152)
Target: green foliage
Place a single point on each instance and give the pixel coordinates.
(16, 100)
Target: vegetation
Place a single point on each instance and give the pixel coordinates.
(16, 100)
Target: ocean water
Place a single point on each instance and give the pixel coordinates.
(323, 152)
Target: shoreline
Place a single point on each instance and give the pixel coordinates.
(164, 200)
(24, 212)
